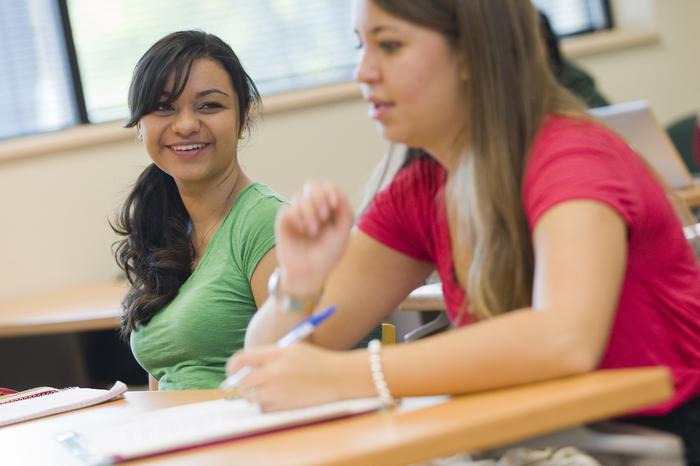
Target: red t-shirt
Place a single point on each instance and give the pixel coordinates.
(658, 315)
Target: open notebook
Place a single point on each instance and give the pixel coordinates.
(45, 401)
(196, 424)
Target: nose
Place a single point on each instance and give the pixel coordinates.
(366, 71)
(186, 122)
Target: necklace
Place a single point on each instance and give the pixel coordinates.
(200, 244)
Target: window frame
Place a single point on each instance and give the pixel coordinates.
(71, 52)
(609, 23)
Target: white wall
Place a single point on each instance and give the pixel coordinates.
(54, 208)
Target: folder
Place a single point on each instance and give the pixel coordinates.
(196, 425)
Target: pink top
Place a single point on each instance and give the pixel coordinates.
(658, 316)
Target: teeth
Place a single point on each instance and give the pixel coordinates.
(188, 147)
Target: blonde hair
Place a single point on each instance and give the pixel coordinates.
(510, 90)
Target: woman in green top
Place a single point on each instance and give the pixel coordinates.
(198, 235)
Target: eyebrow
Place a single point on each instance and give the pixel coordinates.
(377, 29)
(199, 94)
(211, 91)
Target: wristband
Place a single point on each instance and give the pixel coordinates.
(287, 301)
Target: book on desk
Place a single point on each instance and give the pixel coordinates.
(195, 425)
(46, 401)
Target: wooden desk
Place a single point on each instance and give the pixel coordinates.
(691, 196)
(471, 422)
(88, 307)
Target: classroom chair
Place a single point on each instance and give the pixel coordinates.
(614, 444)
(428, 300)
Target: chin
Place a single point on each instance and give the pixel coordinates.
(188, 176)
(393, 135)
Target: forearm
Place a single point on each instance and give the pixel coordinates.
(479, 358)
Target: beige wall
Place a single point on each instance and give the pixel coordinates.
(54, 208)
(666, 73)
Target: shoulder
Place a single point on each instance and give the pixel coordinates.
(403, 214)
(257, 194)
(252, 217)
(412, 190)
(566, 132)
(422, 177)
(257, 203)
(577, 142)
(578, 158)
(252, 225)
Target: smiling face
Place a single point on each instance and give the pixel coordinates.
(194, 139)
(412, 79)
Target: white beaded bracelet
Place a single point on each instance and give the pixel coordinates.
(375, 366)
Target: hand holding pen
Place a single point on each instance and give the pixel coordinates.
(302, 330)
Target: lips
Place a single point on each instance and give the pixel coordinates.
(187, 149)
(379, 108)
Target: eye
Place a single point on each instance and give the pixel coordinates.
(210, 106)
(390, 46)
(163, 107)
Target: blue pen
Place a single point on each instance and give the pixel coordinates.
(302, 330)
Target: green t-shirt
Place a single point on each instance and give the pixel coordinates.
(187, 343)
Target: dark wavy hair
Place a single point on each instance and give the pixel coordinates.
(156, 251)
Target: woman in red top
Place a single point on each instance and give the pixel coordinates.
(551, 237)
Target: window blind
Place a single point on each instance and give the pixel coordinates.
(35, 82)
(571, 17)
(281, 44)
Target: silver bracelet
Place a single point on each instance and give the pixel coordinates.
(375, 366)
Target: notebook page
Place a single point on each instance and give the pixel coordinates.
(58, 402)
(195, 424)
(25, 394)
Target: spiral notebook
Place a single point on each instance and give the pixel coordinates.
(45, 401)
(195, 425)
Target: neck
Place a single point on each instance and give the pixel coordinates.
(447, 149)
(208, 203)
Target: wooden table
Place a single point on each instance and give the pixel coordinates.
(93, 306)
(96, 306)
(470, 422)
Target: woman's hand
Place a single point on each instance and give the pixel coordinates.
(297, 376)
(312, 234)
